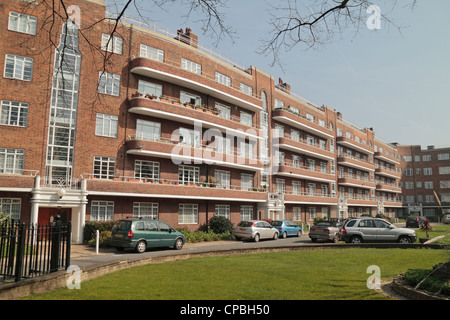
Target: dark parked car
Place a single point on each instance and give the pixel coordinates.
(287, 228)
(415, 221)
(141, 234)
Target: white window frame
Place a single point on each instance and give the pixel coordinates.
(102, 211)
(104, 167)
(109, 83)
(223, 79)
(187, 213)
(246, 181)
(191, 66)
(12, 160)
(224, 111)
(149, 170)
(151, 53)
(112, 44)
(18, 67)
(223, 210)
(246, 212)
(148, 210)
(188, 174)
(23, 23)
(148, 130)
(106, 125)
(222, 179)
(14, 113)
(246, 118)
(246, 89)
(147, 87)
(12, 207)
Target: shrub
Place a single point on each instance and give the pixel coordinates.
(219, 225)
(91, 227)
(104, 240)
(431, 284)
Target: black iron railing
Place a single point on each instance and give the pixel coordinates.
(29, 250)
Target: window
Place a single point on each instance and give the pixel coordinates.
(224, 111)
(246, 181)
(152, 53)
(146, 87)
(409, 185)
(17, 67)
(190, 98)
(296, 161)
(112, 43)
(246, 213)
(14, 113)
(187, 213)
(445, 184)
(427, 171)
(443, 156)
(148, 130)
(426, 157)
(109, 83)
(407, 158)
(312, 212)
(188, 174)
(311, 189)
(444, 170)
(410, 199)
(246, 150)
(310, 117)
(408, 171)
(296, 187)
(223, 79)
(246, 89)
(146, 170)
(190, 137)
(223, 210)
(295, 135)
(419, 184)
(106, 125)
(417, 158)
(428, 184)
(11, 207)
(102, 211)
(145, 210)
(22, 23)
(191, 66)
(429, 198)
(222, 179)
(246, 118)
(11, 160)
(104, 167)
(297, 213)
(278, 104)
(279, 131)
(280, 186)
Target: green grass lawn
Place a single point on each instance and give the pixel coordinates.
(319, 274)
(438, 230)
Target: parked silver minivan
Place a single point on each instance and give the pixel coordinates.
(256, 230)
(366, 229)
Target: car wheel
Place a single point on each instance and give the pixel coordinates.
(404, 239)
(178, 244)
(284, 235)
(275, 236)
(141, 246)
(256, 237)
(336, 238)
(299, 233)
(356, 239)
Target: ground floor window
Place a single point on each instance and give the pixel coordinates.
(102, 211)
(145, 210)
(187, 213)
(10, 208)
(246, 213)
(297, 213)
(223, 210)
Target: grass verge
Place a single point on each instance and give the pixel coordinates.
(296, 275)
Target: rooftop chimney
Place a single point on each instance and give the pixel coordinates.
(187, 37)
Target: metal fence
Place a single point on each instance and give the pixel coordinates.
(29, 250)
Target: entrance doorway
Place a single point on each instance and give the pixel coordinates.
(47, 215)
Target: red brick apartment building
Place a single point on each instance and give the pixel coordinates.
(425, 180)
(163, 128)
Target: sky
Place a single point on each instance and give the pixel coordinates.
(396, 82)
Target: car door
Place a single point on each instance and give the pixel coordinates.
(368, 230)
(153, 233)
(167, 236)
(384, 231)
(292, 228)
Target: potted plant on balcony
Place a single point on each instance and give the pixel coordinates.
(176, 102)
(164, 99)
(198, 107)
(212, 183)
(150, 96)
(137, 94)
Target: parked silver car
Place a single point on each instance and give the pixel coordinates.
(256, 230)
(325, 230)
(375, 230)
(446, 219)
